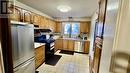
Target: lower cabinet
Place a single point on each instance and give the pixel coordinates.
(63, 44)
(68, 45)
(39, 55)
(71, 45)
(58, 44)
(86, 46)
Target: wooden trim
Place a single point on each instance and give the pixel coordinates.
(6, 44)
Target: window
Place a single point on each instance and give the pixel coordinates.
(71, 29)
(67, 28)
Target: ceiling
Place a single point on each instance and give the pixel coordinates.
(80, 8)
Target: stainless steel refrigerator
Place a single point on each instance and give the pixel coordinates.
(23, 47)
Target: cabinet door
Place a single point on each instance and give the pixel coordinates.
(65, 44)
(45, 23)
(39, 55)
(58, 44)
(70, 45)
(86, 47)
(42, 24)
(36, 19)
(58, 27)
(15, 13)
(53, 24)
(26, 16)
(85, 27)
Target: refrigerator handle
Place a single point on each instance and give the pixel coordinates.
(26, 64)
(15, 70)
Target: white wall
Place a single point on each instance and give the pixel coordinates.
(92, 29)
(116, 45)
(74, 19)
(109, 35)
(121, 50)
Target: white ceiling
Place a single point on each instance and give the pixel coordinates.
(80, 8)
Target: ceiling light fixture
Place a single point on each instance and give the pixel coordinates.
(64, 8)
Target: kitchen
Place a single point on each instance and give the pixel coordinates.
(61, 36)
(50, 36)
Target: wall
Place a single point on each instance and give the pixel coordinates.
(109, 34)
(92, 29)
(74, 19)
(121, 50)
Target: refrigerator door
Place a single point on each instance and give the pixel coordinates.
(27, 67)
(23, 43)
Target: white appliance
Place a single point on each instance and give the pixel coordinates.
(23, 47)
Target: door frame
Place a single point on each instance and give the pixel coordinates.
(5, 41)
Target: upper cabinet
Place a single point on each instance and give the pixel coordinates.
(58, 27)
(36, 19)
(19, 14)
(22, 15)
(27, 16)
(42, 22)
(85, 27)
(53, 25)
(15, 13)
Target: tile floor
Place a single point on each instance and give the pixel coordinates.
(76, 63)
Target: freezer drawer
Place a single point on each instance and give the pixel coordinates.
(27, 67)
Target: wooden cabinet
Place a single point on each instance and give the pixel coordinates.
(52, 25)
(71, 45)
(15, 13)
(86, 46)
(85, 27)
(58, 27)
(58, 44)
(27, 16)
(36, 19)
(40, 56)
(42, 23)
(22, 15)
(68, 45)
(19, 14)
(65, 45)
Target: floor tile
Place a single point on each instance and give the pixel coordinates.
(76, 63)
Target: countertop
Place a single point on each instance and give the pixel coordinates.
(66, 38)
(75, 39)
(36, 45)
(56, 37)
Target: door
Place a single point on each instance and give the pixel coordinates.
(27, 67)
